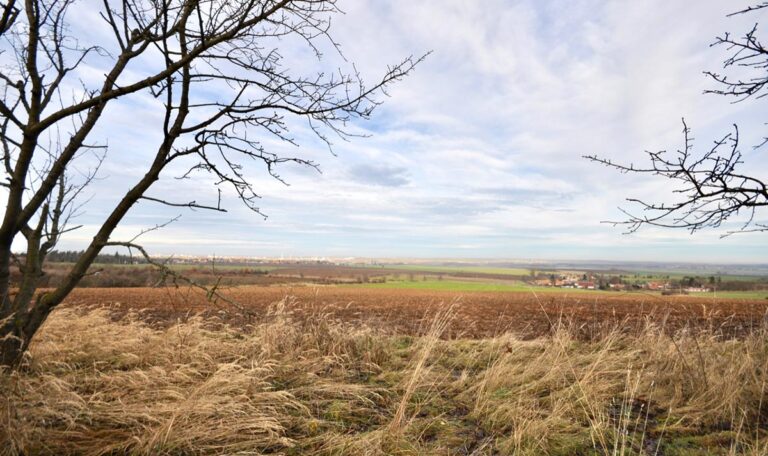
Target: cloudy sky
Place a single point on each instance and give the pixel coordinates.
(478, 153)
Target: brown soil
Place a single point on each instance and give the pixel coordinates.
(479, 314)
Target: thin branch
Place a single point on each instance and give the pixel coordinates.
(710, 189)
(191, 204)
(213, 294)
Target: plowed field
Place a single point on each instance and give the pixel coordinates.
(478, 314)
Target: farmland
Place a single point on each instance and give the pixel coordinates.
(336, 370)
(349, 360)
(480, 314)
(464, 278)
(489, 301)
(463, 269)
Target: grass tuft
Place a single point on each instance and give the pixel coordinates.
(299, 381)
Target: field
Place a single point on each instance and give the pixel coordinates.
(454, 285)
(461, 269)
(333, 361)
(372, 372)
(466, 285)
(479, 314)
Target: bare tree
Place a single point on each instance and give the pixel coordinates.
(215, 69)
(712, 188)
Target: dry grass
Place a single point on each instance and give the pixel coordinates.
(320, 386)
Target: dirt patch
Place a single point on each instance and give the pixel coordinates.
(479, 314)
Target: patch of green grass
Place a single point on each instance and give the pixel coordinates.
(467, 286)
(695, 445)
(457, 269)
(734, 294)
(446, 285)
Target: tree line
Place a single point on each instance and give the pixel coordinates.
(71, 256)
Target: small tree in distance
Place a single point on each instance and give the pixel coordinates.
(215, 67)
(712, 188)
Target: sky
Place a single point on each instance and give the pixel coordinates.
(478, 153)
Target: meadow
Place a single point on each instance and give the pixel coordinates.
(298, 380)
(425, 283)
(460, 269)
(461, 286)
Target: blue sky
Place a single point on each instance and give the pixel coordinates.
(478, 153)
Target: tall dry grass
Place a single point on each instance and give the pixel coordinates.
(300, 382)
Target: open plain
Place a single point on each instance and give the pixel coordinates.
(340, 370)
(526, 314)
(324, 359)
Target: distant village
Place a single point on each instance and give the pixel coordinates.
(592, 281)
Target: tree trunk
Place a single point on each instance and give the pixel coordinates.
(16, 333)
(12, 345)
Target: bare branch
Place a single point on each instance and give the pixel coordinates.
(190, 205)
(710, 189)
(213, 294)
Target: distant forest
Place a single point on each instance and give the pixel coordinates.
(71, 256)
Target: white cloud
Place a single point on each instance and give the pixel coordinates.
(481, 147)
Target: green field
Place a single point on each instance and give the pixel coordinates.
(734, 295)
(456, 269)
(447, 285)
(466, 286)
